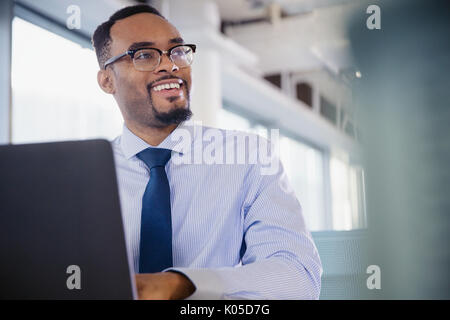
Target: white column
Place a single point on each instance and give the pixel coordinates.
(206, 93)
(194, 19)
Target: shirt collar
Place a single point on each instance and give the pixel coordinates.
(131, 144)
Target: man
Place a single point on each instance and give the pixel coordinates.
(197, 230)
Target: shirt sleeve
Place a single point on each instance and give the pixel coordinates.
(280, 260)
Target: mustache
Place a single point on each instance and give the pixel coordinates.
(167, 77)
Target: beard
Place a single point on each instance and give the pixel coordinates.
(144, 112)
(175, 115)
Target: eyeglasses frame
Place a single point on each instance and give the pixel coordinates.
(132, 52)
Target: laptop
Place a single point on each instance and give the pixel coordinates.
(61, 229)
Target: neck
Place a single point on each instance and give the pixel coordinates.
(153, 136)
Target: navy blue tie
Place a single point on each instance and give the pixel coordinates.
(156, 222)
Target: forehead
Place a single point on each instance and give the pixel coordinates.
(142, 27)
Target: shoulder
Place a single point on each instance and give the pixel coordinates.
(116, 146)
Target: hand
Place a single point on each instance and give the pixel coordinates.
(163, 286)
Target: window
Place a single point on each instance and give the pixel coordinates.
(347, 189)
(328, 110)
(261, 130)
(304, 168)
(55, 95)
(274, 79)
(232, 121)
(347, 123)
(340, 208)
(304, 93)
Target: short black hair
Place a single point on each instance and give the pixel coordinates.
(101, 39)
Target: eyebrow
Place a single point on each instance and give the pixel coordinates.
(137, 45)
(176, 40)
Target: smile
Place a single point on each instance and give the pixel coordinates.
(167, 87)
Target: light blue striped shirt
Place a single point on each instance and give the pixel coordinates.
(236, 233)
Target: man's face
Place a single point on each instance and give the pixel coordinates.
(134, 89)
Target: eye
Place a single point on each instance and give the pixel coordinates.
(181, 51)
(144, 55)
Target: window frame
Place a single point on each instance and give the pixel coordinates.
(6, 16)
(41, 20)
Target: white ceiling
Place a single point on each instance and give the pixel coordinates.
(239, 10)
(311, 35)
(234, 10)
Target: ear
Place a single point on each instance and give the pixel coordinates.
(106, 81)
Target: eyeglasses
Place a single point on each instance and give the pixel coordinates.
(148, 59)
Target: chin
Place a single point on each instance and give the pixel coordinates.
(173, 105)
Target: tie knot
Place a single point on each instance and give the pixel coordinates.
(155, 157)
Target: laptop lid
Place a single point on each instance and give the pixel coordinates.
(61, 230)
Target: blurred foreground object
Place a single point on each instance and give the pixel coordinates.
(404, 102)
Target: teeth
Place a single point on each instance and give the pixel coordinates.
(167, 86)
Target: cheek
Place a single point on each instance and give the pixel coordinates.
(187, 75)
(132, 86)
(188, 79)
(130, 82)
